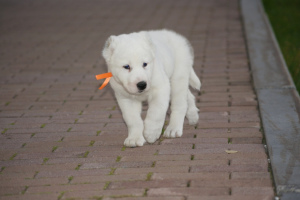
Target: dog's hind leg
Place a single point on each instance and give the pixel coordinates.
(192, 111)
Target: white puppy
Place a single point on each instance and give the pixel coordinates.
(152, 66)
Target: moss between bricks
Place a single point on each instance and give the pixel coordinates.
(92, 143)
(118, 159)
(149, 175)
(85, 154)
(60, 195)
(192, 157)
(112, 171)
(4, 130)
(45, 160)
(146, 192)
(70, 179)
(13, 156)
(98, 133)
(78, 167)
(25, 189)
(106, 185)
(35, 174)
(229, 141)
(54, 148)
(1, 170)
(153, 164)
(61, 139)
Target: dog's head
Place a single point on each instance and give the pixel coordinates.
(130, 58)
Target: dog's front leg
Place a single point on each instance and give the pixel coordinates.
(158, 106)
(131, 111)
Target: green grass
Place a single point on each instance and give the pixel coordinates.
(284, 16)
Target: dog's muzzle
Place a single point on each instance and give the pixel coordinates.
(141, 86)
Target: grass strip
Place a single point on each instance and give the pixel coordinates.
(284, 16)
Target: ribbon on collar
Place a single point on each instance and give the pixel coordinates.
(107, 77)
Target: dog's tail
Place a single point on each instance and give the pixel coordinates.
(194, 80)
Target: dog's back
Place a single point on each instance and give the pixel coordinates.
(182, 51)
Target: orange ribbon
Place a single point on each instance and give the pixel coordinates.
(107, 77)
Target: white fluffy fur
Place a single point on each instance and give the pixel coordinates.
(168, 74)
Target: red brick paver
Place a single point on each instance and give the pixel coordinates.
(62, 138)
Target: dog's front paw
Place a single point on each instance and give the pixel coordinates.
(152, 135)
(134, 141)
(173, 131)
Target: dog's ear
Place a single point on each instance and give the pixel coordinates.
(109, 48)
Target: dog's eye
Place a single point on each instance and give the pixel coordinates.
(126, 67)
(145, 64)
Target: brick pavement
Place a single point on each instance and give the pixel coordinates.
(61, 138)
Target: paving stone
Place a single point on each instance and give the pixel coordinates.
(131, 164)
(168, 169)
(61, 188)
(11, 190)
(107, 193)
(152, 198)
(191, 176)
(252, 190)
(35, 182)
(226, 168)
(46, 196)
(231, 183)
(191, 191)
(147, 184)
(156, 158)
(235, 197)
(108, 178)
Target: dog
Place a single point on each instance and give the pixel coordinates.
(157, 67)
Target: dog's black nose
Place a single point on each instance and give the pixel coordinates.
(141, 85)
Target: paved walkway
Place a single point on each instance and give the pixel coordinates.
(62, 138)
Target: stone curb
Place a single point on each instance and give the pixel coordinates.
(278, 100)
